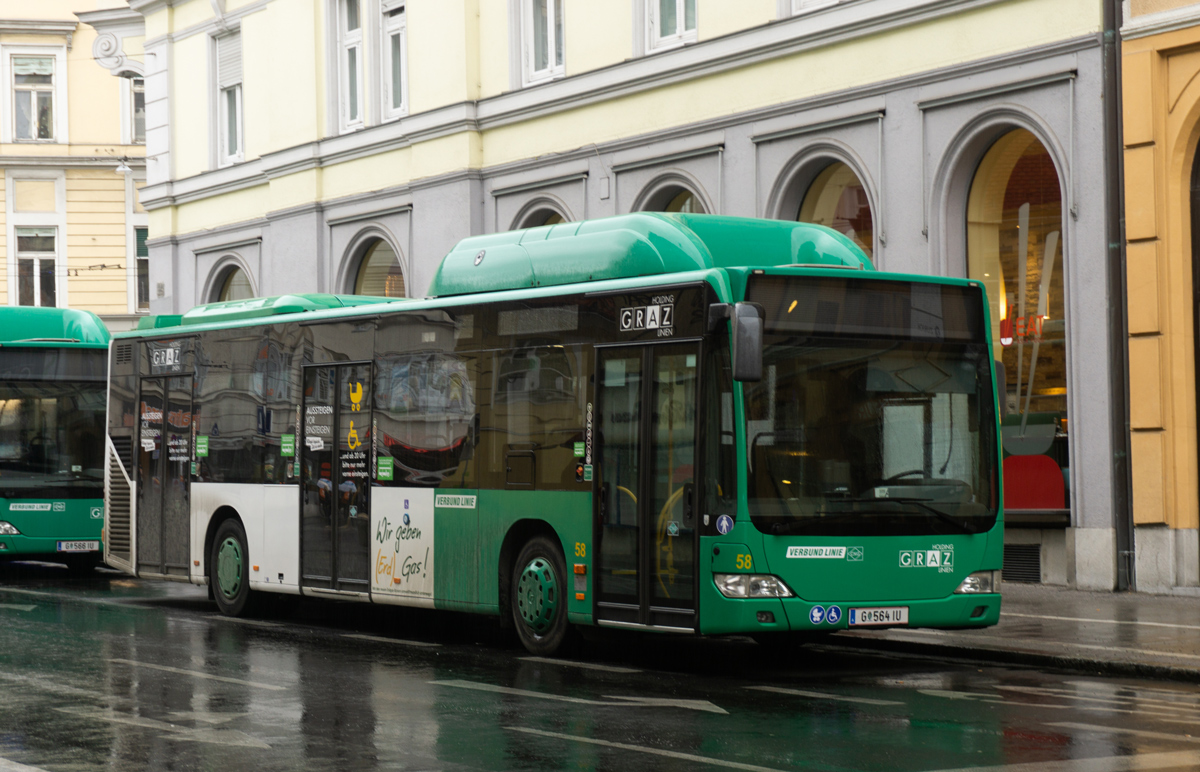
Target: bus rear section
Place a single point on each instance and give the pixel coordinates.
(52, 408)
(872, 493)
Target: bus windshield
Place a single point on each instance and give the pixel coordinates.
(52, 408)
(875, 413)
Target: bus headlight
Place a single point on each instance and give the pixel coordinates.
(8, 529)
(751, 586)
(980, 581)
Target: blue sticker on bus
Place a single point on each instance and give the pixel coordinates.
(724, 524)
(833, 615)
(816, 615)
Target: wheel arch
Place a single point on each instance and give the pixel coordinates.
(223, 513)
(518, 534)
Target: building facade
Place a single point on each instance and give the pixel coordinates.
(1161, 130)
(346, 145)
(71, 148)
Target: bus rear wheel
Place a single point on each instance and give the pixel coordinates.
(539, 596)
(228, 569)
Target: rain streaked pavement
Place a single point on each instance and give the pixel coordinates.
(113, 673)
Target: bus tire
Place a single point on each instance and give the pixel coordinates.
(539, 596)
(229, 569)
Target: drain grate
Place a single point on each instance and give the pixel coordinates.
(1023, 563)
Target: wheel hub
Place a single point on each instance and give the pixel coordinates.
(538, 595)
(229, 567)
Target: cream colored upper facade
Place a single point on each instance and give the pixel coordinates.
(70, 219)
(466, 104)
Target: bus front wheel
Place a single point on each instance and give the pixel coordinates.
(539, 596)
(228, 565)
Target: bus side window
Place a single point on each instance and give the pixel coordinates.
(427, 412)
(720, 451)
(535, 417)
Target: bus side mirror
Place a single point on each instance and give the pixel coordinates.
(1002, 388)
(747, 342)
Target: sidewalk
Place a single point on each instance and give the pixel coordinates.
(1125, 634)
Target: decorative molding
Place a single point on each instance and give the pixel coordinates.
(69, 162)
(809, 128)
(371, 215)
(991, 91)
(511, 108)
(52, 27)
(1156, 23)
(228, 246)
(112, 27)
(538, 184)
(659, 160)
(217, 24)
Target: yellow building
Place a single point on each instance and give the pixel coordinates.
(346, 145)
(1160, 65)
(72, 147)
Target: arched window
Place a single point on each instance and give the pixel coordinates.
(379, 273)
(1015, 249)
(234, 285)
(685, 202)
(540, 217)
(838, 200)
(670, 197)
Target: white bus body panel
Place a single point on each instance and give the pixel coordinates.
(275, 550)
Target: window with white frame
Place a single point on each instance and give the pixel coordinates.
(803, 6)
(36, 257)
(143, 268)
(33, 97)
(230, 147)
(137, 110)
(350, 64)
(543, 39)
(672, 22)
(395, 61)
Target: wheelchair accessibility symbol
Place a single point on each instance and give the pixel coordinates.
(352, 440)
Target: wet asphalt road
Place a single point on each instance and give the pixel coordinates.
(112, 673)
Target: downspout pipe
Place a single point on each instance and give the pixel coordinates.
(1118, 328)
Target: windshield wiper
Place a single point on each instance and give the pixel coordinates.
(923, 504)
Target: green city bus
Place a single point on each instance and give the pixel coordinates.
(52, 406)
(670, 422)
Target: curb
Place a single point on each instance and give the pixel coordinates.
(1011, 657)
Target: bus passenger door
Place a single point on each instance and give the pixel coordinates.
(335, 486)
(164, 479)
(645, 505)
(150, 462)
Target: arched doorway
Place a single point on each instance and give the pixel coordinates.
(234, 284)
(838, 199)
(684, 202)
(379, 272)
(540, 217)
(671, 196)
(1015, 249)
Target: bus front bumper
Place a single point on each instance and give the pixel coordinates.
(797, 615)
(28, 547)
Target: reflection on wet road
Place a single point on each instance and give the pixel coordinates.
(112, 673)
